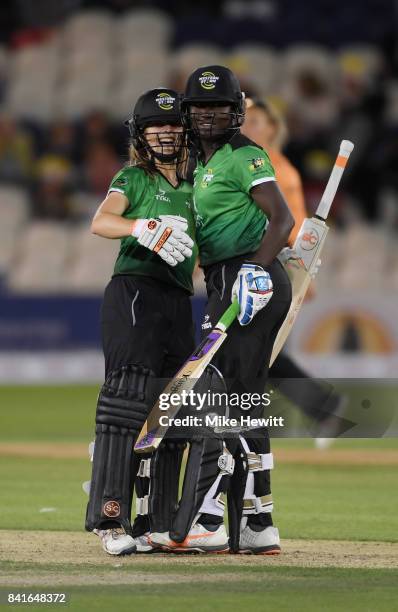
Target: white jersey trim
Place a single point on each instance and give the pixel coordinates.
(265, 179)
(114, 189)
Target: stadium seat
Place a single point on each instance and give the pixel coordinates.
(357, 238)
(361, 59)
(316, 58)
(188, 58)
(92, 264)
(14, 215)
(88, 27)
(150, 70)
(257, 64)
(44, 249)
(144, 28)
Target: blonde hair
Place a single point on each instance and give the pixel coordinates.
(140, 159)
(275, 117)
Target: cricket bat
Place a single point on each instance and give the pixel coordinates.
(308, 246)
(152, 432)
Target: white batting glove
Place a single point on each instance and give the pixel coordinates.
(175, 221)
(253, 289)
(172, 244)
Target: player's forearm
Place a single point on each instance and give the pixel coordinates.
(109, 225)
(275, 239)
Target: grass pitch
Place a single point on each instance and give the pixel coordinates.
(337, 517)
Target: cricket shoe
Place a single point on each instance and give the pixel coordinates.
(143, 544)
(264, 542)
(198, 540)
(116, 541)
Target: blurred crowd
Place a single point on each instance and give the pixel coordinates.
(65, 166)
(68, 83)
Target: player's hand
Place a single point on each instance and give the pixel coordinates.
(172, 244)
(289, 253)
(286, 254)
(253, 289)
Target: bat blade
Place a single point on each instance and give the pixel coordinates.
(308, 246)
(300, 279)
(186, 378)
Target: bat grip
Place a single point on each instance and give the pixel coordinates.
(330, 191)
(229, 316)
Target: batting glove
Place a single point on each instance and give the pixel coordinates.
(175, 221)
(253, 289)
(166, 239)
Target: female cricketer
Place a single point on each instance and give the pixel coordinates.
(148, 207)
(242, 223)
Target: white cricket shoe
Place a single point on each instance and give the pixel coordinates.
(143, 545)
(116, 541)
(199, 539)
(264, 542)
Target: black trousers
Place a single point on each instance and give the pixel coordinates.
(244, 357)
(147, 322)
(243, 360)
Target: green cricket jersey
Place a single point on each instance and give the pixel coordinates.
(228, 221)
(150, 197)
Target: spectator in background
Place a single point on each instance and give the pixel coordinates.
(312, 105)
(52, 188)
(100, 165)
(16, 152)
(96, 128)
(62, 140)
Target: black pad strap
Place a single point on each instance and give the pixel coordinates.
(165, 477)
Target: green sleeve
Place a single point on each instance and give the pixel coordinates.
(129, 182)
(252, 166)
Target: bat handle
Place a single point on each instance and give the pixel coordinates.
(229, 316)
(330, 191)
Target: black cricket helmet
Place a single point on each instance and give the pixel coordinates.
(214, 85)
(160, 106)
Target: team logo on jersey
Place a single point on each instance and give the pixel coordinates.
(208, 80)
(161, 196)
(120, 182)
(207, 178)
(256, 163)
(165, 101)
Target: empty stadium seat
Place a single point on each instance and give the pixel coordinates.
(92, 264)
(43, 248)
(144, 28)
(258, 64)
(188, 58)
